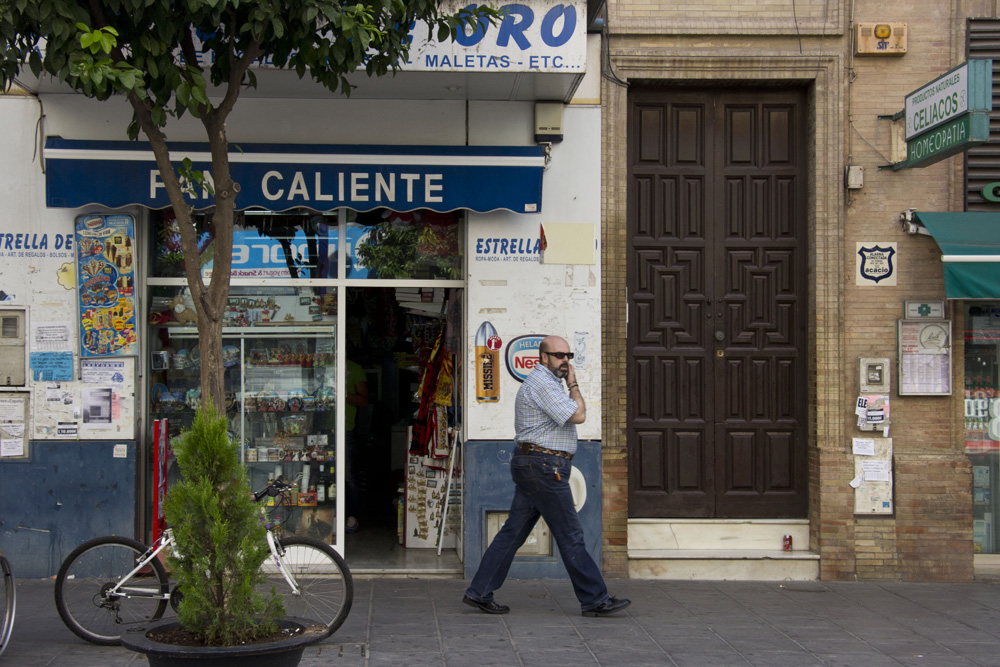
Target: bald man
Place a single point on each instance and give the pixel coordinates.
(545, 417)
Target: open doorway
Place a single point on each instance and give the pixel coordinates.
(402, 400)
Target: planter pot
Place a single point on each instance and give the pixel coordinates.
(284, 653)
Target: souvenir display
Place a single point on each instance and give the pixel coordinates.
(326, 399)
(230, 355)
(269, 399)
(193, 398)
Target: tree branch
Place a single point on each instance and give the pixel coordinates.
(189, 238)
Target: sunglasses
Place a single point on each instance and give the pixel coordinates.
(560, 355)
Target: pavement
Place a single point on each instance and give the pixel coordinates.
(415, 622)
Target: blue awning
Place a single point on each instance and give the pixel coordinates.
(279, 177)
(970, 243)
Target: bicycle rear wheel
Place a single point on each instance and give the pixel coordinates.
(326, 588)
(9, 591)
(92, 570)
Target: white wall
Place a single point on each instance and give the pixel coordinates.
(520, 296)
(40, 275)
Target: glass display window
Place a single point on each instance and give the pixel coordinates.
(280, 399)
(412, 245)
(982, 418)
(296, 244)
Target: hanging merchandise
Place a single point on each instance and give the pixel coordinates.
(425, 423)
(433, 505)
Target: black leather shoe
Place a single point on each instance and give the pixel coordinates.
(611, 606)
(490, 607)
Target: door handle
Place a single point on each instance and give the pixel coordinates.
(720, 336)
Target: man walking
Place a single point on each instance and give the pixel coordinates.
(545, 420)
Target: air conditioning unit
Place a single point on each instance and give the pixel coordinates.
(880, 39)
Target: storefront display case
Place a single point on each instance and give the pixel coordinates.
(280, 385)
(982, 419)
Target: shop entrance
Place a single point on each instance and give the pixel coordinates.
(402, 355)
(717, 288)
(371, 300)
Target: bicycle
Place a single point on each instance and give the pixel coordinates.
(109, 583)
(9, 602)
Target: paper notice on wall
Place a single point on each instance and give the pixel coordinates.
(872, 481)
(864, 446)
(97, 407)
(11, 446)
(105, 371)
(11, 410)
(51, 366)
(875, 471)
(51, 337)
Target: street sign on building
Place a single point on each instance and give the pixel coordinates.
(947, 115)
(966, 88)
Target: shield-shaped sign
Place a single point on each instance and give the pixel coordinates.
(876, 264)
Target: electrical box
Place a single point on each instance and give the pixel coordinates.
(880, 39)
(874, 375)
(548, 122)
(12, 348)
(855, 177)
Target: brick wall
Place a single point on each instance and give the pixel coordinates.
(930, 535)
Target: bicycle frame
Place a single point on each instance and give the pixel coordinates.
(122, 589)
(276, 552)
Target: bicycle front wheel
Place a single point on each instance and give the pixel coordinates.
(9, 592)
(325, 586)
(86, 578)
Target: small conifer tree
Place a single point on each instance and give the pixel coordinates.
(220, 538)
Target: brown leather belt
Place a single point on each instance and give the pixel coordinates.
(530, 447)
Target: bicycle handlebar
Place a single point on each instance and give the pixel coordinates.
(274, 488)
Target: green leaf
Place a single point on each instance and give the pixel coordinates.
(199, 95)
(183, 94)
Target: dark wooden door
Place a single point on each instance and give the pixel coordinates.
(717, 290)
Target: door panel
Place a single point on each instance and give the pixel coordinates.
(717, 299)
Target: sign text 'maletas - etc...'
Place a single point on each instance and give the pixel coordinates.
(949, 114)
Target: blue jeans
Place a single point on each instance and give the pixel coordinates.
(538, 492)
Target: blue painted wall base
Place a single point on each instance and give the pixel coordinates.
(488, 488)
(65, 494)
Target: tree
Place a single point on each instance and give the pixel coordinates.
(171, 57)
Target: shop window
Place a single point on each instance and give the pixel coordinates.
(390, 245)
(982, 419)
(266, 245)
(280, 383)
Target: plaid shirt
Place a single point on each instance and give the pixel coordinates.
(542, 410)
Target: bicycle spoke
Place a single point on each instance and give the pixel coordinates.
(85, 583)
(325, 587)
